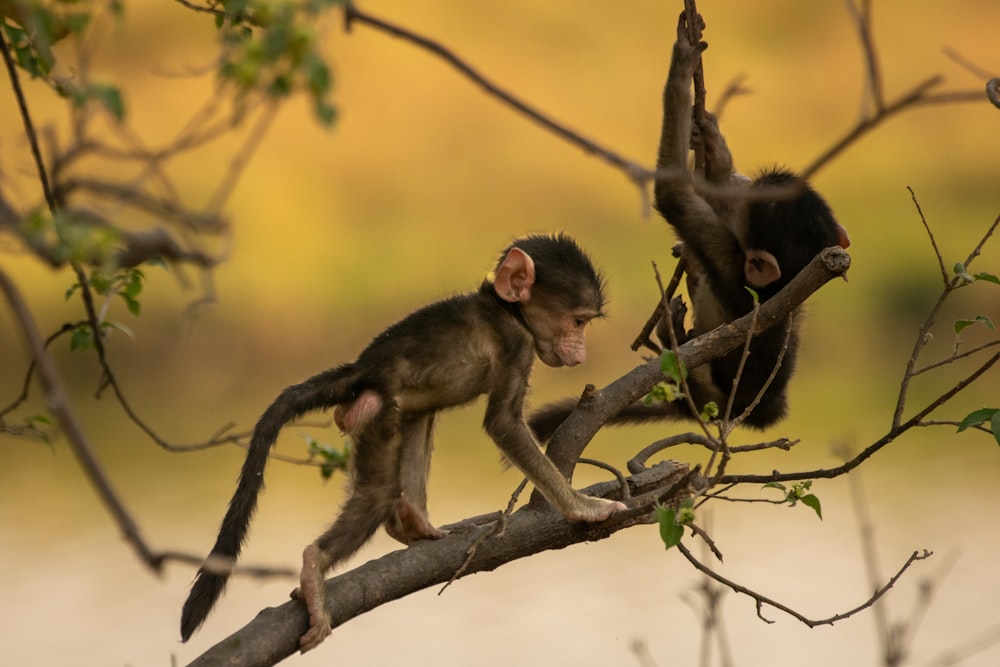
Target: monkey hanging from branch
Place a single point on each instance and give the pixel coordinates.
(759, 237)
(544, 292)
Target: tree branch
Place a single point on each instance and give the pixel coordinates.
(812, 623)
(274, 633)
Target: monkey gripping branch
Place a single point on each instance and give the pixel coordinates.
(485, 543)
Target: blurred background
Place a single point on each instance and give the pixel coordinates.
(408, 198)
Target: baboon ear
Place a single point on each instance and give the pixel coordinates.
(761, 268)
(515, 276)
(843, 240)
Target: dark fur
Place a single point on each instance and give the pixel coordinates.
(793, 229)
(443, 355)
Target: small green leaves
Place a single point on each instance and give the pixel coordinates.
(709, 411)
(126, 283)
(980, 417)
(108, 96)
(331, 458)
(664, 392)
(39, 425)
(966, 278)
(669, 391)
(64, 236)
(131, 286)
(798, 493)
(29, 56)
(270, 48)
(672, 522)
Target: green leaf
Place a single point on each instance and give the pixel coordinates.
(978, 417)
(331, 458)
(756, 297)
(671, 532)
(709, 411)
(82, 338)
(978, 319)
(672, 366)
(110, 97)
(685, 514)
(133, 283)
(987, 277)
(663, 392)
(995, 426)
(775, 485)
(812, 501)
(317, 75)
(325, 112)
(38, 425)
(101, 282)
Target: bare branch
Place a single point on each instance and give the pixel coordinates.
(62, 409)
(634, 171)
(866, 125)
(865, 454)
(29, 125)
(863, 22)
(930, 235)
(812, 623)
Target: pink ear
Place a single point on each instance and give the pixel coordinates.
(515, 276)
(843, 240)
(761, 268)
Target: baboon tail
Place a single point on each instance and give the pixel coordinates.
(324, 390)
(544, 421)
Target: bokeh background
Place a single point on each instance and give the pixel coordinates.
(408, 198)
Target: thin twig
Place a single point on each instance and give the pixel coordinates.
(352, 14)
(863, 21)
(770, 378)
(866, 125)
(865, 454)
(812, 623)
(626, 494)
(930, 235)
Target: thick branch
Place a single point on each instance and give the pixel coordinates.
(274, 634)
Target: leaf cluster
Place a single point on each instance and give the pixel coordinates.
(31, 29)
(270, 48)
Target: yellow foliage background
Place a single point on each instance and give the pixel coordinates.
(407, 199)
